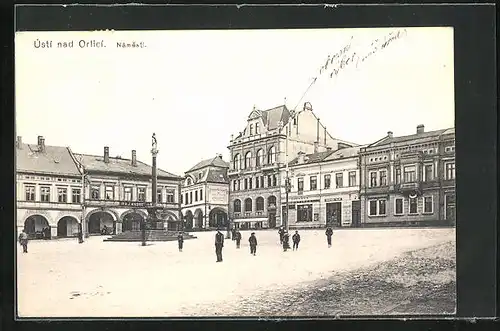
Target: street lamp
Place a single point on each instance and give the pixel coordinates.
(287, 177)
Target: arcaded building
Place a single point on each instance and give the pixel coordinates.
(269, 139)
(48, 189)
(205, 195)
(409, 179)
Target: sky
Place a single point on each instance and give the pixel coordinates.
(194, 89)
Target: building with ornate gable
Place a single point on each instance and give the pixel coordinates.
(409, 179)
(259, 154)
(118, 191)
(205, 195)
(48, 189)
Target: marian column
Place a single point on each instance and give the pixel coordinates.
(157, 224)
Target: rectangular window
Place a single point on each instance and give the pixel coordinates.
(269, 181)
(428, 205)
(110, 193)
(257, 130)
(300, 184)
(235, 185)
(201, 194)
(373, 179)
(383, 177)
(398, 175)
(29, 193)
(182, 199)
(450, 171)
(304, 213)
(141, 194)
(352, 178)
(127, 193)
(313, 183)
(239, 184)
(170, 196)
(76, 195)
(186, 198)
(245, 181)
(159, 196)
(328, 181)
(398, 206)
(95, 192)
(410, 174)
(372, 208)
(45, 194)
(195, 195)
(62, 194)
(250, 182)
(257, 182)
(381, 207)
(262, 181)
(190, 197)
(274, 181)
(428, 172)
(413, 205)
(339, 180)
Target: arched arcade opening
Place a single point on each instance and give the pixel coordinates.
(36, 226)
(217, 218)
(100, 221)
(67, 227)
(132, 221)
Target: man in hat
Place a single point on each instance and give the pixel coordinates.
(296, 240)
(237, 237)
(286, 240)
(23, 241)
(329, 233)
(219, 243)
(180, 241)
(253, 243)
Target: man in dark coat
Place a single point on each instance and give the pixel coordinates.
(80, 233)
(23, 240)
(329, 233)
(253, 243)
(281, 232)
(180, 241)
(237, 237)
(286, 241)
(219, 243)
(296, 240)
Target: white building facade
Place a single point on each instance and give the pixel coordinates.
(324, 189)
(48, 189)
(205, 195)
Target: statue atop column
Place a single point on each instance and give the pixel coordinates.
(154, 143)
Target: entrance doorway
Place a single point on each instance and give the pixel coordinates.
(449, 202)
(217, 218)
(356, 213)
(334, 214)
(67, 227)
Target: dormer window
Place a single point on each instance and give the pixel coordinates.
(189, 181)
(251, 129)
(257, 131)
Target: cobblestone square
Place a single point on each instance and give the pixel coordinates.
(62, 278)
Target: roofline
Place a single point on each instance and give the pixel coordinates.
(93, 171)
(47, 173)
(324, 161)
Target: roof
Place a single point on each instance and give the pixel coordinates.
(217, 176)
(273, 116)
(312, 158)
(423, 135)
(119, 165)
(343, 153)
(215, 162)
(53, 160)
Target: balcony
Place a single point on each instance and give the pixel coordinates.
(410, 188)
(270, 166)
(376, 190)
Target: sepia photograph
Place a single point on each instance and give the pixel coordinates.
(235, 173)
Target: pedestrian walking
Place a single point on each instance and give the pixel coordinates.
(296, 240)
(286, 241)
(233, 234)
(219, 244)
(253, 243)
(237, 237)
(23, 241)
(180, 241)
(329, 233)
(281, 232)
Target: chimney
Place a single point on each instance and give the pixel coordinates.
(41, 143)
(134, 158)
(106, 154)
(300, 158)
(19, 142)
(420, 129)
(389, 134)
